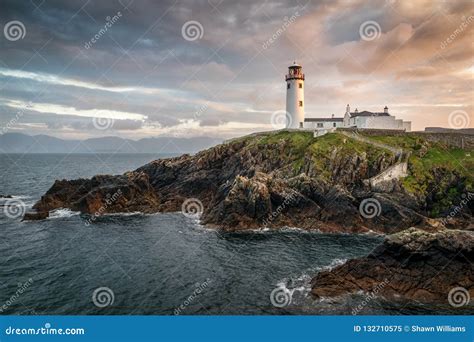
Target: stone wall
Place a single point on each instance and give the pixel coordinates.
(383, 181)
(459, 140)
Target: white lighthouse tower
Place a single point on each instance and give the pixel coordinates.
(295, 96)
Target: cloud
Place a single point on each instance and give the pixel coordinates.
(152, 81)
(64, 81)
(63, 110)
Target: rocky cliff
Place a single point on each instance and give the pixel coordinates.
(410, 265)
(290, 179)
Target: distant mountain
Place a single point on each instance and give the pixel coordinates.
(22, 143)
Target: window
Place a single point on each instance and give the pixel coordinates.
(301, 103)
(333, 124)
(288, 86)
(319, 125)
(301, 85)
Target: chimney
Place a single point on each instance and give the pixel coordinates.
(332, 116)
(385, 110)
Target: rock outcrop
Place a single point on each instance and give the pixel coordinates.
(102, 194)
(410, 265)
(274, 179)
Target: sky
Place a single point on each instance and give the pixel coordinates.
(140, 68)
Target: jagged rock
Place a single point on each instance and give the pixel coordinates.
(35, 215)
(413, 264)
(101, 194)
(6, 196)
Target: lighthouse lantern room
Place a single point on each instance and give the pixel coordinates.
(295, 96)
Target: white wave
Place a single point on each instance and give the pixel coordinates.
(132, 213)
(371, 232)
(299, 230)
(204, 228)
(302, 283)
(281, 230)
(20, 196)
(334, 263)
(62, 213)
(17, 197)
(25, 200)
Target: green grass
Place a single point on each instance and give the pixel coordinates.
(435, 155)
(295, 147)
(406, 142)
(324, 146)
(295, 139)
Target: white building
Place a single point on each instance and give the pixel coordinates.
(365, 119)
(374, 120)
(356, 119)
(295, 96)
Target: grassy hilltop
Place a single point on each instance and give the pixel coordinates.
(428, 161)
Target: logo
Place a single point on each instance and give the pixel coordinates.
(192, 208)
(14, 30)
(102, 123)
(192, 30)
(459, 119)
(370, 30)
(458, 296)
(14, 208)
(102, 297)
(370, 207)
(281, 297)
(281, 118)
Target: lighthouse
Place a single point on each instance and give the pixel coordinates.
(295, 96)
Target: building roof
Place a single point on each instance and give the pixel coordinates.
(324, 119)
(367, 113)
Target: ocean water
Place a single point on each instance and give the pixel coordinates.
(165, 264)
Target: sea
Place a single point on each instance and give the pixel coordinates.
(159, 264)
